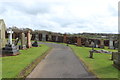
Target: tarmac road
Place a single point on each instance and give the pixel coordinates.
(60, 62)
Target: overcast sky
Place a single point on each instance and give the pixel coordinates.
(71, 16)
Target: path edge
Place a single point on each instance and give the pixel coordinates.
(27, 70)
(85, 65)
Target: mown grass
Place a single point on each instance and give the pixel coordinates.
(101, 65)
(13, 65)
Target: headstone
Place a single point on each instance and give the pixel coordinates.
(29, 45)
(65, 38)
(91, 54)
(23, 44)
(102, 43)
(79, 41)
(92, 44)
(2, 33)
(36, 37)
(56, 39)
(111, 43)
(43, 36)
(87, 43)
(96, 43)
(116, 55)
(35, 44)
(26, 41)
(49, 37)
(99, 51)
(16, 41)
(10, 48)
(116, 44)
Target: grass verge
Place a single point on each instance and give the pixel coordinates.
(21, 65)
(101, 65)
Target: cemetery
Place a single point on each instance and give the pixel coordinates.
(23, 49)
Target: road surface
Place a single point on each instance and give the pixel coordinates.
(60, 62)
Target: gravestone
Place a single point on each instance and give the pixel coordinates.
(26, 41)
(56, 38)
(98, 51)
(49, 37)
(16, 41)
(65, 38)
(23, 45)
(116, 44)
(87, 43)
(10, 48)
(43, 36)
(29, 45)
(116, 55)
(2, 34)
(35, 44)
(102, 43)
(36, 37)
(96, 43)
(92, 45)
(111, 43)
(79, 41)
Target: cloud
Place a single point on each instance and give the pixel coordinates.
(71, 16)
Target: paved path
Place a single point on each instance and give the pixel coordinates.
(61, 62)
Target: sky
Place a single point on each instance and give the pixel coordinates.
(64, 16)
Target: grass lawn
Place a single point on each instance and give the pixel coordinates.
(101, 65)
(13, 65)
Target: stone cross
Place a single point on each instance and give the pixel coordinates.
(10, 35)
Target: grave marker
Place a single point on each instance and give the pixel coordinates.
(10, 48)
(43, 36)
(29, 45)
(102, 43)
(79, 41)
(65, 38)
(2, 34)
(35, 44)
(23, 41)
(111, 43)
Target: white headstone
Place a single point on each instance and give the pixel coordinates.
(111, 43)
